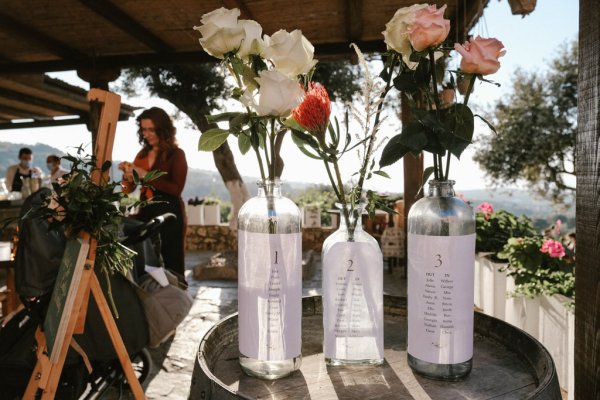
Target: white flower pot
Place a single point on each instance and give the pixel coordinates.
(491, 293)
(212, 214)
(487, 286)
(521, 311)
(311, 217)
(499, 289)
(479, 287)
(195, 215)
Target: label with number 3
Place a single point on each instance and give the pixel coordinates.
(440, 297)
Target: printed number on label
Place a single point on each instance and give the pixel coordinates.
(350, 267)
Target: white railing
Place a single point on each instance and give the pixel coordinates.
(544, 317)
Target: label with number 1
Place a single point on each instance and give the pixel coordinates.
(269, 295)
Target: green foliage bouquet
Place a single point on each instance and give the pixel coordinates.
(417, 34)
(79, 203)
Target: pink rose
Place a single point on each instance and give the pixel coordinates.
(486, 208)
(553, 248)
(428, 28)
(480, 56)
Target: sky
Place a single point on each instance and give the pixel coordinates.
(530, 42)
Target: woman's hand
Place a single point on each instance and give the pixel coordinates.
(128, 169)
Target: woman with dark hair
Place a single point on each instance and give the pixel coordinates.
(160, 152)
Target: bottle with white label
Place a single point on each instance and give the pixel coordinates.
(352, 295)
(269, 284)
(441, 259)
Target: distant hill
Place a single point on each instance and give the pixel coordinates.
(199, 182)
(203, 183)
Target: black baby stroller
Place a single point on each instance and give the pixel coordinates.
(38, 258)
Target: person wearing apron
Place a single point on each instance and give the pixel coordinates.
(160, 152)
(24, 169)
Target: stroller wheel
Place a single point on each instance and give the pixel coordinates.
(142, 364)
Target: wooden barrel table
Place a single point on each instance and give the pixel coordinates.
(507, 364)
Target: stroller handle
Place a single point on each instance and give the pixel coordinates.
(142, 232)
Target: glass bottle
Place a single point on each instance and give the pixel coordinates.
(269, 283)
(441, 259)
(352, 295)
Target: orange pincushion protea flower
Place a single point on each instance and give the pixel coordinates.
(313, 113)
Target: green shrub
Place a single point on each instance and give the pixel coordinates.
(493, 229)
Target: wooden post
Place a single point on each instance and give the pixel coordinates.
(587, 281)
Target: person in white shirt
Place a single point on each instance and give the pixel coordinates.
(24, 169)
(56, 171)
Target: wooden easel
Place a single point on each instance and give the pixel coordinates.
(47, 371)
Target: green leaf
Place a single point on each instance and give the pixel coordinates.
(238, 120)
(212, 139)
(254, 139)
(382, 173)
(293, 124)
(248, 76)
(244, 143)
(226, 116)
(414, 136)
(301, 143)
(460, 124)
(106, 165)
(488, 123)
(427, 172)
(405, 82)
(393, 151)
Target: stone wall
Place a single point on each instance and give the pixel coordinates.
(221, 238)
(313, 238)
(210, 237)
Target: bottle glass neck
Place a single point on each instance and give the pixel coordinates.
(269, 188)
(354, 218)
(441, 189)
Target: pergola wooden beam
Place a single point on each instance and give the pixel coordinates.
(322, 51)
(245, 12)
(30, 34)
(11, 112)
(354, 24)
(40, 103)
(43, 123)
(123, 21)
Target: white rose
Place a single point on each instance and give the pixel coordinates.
(278, 95)
(252, 43)
(396, 32)
(291, 53)
(221, 33)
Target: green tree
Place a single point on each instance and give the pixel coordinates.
(536, 126)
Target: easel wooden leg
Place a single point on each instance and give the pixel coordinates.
(39, 377)
(116, 339)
